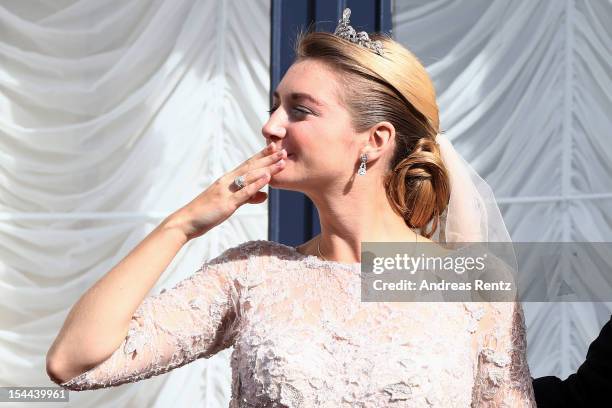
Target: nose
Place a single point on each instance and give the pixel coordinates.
(273, 130)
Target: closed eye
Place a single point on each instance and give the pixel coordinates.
(300, 110)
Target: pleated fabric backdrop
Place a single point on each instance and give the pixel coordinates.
(114, 114)
(525, 94)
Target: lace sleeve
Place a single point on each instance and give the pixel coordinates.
(194, 319)
(502, 377)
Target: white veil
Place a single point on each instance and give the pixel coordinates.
(472, 218)
(472, 214)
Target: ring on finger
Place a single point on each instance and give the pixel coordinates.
(239, 182)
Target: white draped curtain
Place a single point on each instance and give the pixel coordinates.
(113, 114)
(525, 94)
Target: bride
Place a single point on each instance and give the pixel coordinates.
(355, 127)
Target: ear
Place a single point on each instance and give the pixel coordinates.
(381, 140)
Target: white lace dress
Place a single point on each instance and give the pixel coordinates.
(303, 338)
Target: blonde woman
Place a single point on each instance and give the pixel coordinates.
(354, 126)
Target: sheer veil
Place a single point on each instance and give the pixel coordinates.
(472, 214)
(472, 217)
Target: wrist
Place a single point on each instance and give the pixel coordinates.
(176, 223)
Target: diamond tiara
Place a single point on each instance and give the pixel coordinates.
(344, 30)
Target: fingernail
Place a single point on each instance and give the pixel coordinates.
(280, 162)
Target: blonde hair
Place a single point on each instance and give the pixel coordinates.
(396, 88)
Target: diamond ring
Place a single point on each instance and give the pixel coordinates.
(239, 182)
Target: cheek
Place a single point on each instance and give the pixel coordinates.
(321, 144)
(303, 140)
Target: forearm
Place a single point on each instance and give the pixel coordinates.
(98, 322)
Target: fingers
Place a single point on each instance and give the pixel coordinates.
(262, 153)
(248, 192)
(271, 158)
(265, 157)
(255, 180)
(258, 197)
(252, 175)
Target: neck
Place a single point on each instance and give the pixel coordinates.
(362, 214)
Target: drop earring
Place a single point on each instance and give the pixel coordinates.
(362, 166)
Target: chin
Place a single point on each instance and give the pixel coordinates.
(279, 181)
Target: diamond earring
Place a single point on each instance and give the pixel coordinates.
(362, 166)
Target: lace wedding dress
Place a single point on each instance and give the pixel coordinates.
(303, 338)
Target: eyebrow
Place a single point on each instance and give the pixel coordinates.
(300, 95)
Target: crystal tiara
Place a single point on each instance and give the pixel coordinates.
(344, 30)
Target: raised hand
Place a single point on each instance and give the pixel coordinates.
(219, 201)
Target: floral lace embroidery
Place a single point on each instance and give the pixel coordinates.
(301, 337)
